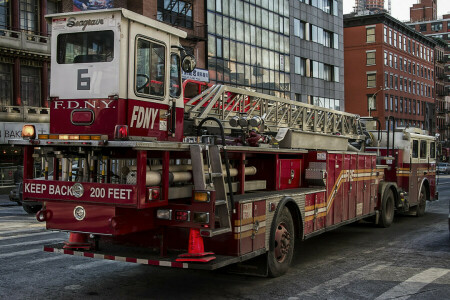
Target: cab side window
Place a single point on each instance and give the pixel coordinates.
(175, 75)
(150, 68)
(415, 149)
(432, 150)
(423, 149)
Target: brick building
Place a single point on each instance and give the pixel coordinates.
(24, 74)
(439, 29)
(392, 71)
(369, 5)
(425, 10)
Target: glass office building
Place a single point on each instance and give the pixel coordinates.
(248, 44)
(317, 52)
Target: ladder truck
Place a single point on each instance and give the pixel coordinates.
(134, 172)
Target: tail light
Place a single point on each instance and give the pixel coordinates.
(182, 215)
(153, 194)
(121, 132)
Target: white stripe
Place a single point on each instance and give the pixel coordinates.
(309, 213)
(413, 284)
(99, 256)
(29, 243)
(331, 285)
(51, 258)
(27, 235)
(120, 258)
(165, 263)
(142, 261)
(19, 253)
(323, 209)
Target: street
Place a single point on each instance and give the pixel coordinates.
(409, 260)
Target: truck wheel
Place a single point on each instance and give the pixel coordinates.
(387, 209)
(31, 209)
(419, 210)
(282, 244)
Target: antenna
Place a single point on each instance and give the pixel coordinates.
(389, 7)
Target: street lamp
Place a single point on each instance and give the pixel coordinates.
(372, 98)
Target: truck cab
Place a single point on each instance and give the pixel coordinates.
(113, 68)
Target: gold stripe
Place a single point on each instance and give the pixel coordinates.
(260, 218)
(243, 222)
(239, 236)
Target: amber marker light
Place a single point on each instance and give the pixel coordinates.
(28, 132)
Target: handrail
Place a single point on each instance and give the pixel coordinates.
(225, 102)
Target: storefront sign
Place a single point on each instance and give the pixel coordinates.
(197, 74)
(13, 130)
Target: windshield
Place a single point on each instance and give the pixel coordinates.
(85, 47)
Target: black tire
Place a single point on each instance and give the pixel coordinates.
(387, 209)
(282, 243)
(31, 209)
(419, 210)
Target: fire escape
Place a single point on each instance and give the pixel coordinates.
(179, 14)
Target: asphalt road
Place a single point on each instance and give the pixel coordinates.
(409, 260)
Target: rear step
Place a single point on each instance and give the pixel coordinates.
(154, 259)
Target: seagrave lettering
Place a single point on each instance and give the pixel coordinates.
(72, 22)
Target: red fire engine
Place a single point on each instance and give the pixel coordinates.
(134, 173)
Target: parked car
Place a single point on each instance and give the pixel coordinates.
(443, 168)
(15, 195)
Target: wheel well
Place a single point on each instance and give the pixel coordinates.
(426, 184)
(396, 195)
(297, 218)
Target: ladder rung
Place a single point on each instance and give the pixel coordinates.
(220, 202)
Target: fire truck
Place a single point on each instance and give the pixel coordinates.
(135, 173)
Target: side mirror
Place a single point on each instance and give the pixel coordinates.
(188, 63)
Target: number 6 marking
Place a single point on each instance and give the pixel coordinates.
(83, 83)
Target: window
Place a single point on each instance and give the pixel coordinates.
(370, 34)
(423, 149)
(150, 68)
(401, 63)
(432, 150)
(178, 13)
(85, 47)
(400, 41)
(418, 107)
(29, 15)
(386, 80)
(415, 149)
(391, 103)
(401, 104)
(423, 27)
(371, 80)
(385, 58)
(390, 36)
(396, 82)
(335, 41)
(336, 74)
(371, 102)
(395, 39)
(391, 80)
(219, 48)
(5, 84)
(436, 26)
(300, 65)
(299, 28)
(386, 106)
(5, 15)
(395, 62)
(390, 60)
(396, 104)
(414, 107)
(30, 86)
(370, 58)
